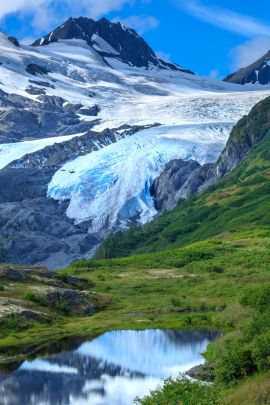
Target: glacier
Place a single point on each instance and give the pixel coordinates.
(111, 187)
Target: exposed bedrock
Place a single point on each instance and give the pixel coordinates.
(23, 119)
(34, 228)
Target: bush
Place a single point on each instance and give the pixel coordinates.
(181, 391)
(37, 298)
(235, 361)
(63, 305)
(260, 349)
(176, 302)
(258, 299)
(2, 287)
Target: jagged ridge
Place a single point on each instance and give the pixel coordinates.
(120, 42)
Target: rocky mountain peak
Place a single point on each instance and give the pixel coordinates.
(110, 40)
(258, 72)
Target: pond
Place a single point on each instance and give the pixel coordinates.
(110, 370)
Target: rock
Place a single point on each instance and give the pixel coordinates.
(35, 91)
(14, 41)
(74, 301)
(41, 83)
(169, 187)
(257, 72)
(203, 372)
(91, 111)
(12, 274)
(10, 308)
(35, 69)
(22, 118)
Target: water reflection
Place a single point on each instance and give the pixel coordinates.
(110, 370)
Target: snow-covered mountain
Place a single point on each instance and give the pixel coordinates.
(89, 117)
(256, 73)
(112, 41)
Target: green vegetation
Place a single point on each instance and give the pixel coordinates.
(37, 298)
(63, 305)
(182, 391)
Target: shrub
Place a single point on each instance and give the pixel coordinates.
(181, 391)
(259, 299)
(176, 302)
(63, 305)
(235, 361)
(260, 349)
(37, 298)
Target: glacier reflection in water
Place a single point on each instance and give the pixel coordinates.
(110, 370)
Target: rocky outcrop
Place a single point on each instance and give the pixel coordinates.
(68, 300)
(25, 119)
(204, 372)
(181, 180)
(171, 185)
(111, 41)
(14, 41)
(258, 72)
(37, 295)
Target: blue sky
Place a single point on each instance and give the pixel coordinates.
(211, 37)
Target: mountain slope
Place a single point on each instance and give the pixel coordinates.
(258, 72)
(110, 41)
(239, 203)
(76, 122)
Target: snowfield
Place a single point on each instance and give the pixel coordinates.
(110, 187)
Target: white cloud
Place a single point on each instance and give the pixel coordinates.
(46, 13)
(140, 23)
(96, 8)
(228, 20)
(250, 51)
(13, 6)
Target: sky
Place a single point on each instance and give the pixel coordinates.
(211, 37)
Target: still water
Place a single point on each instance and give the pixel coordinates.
(110, 370)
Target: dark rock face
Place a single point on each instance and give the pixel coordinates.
(126, 45)
(169, 187)
(35, 69)
(34, 229)
(12, 274)
(53, 157)
(257, 72)
(180, 180)
(22, 118)
(41, 83)
(74, 300)
(14, 41)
